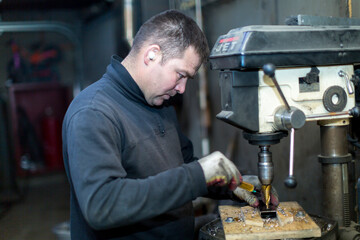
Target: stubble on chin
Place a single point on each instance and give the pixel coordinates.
(158, 101)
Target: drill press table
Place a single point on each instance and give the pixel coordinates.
(246, 223)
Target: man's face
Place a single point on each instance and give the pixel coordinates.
(166, 80)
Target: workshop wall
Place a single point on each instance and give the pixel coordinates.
(100, 33)
(107, 33)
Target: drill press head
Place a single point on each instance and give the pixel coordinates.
(314, 66)
(312, 81)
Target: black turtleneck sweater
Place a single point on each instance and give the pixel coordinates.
(132, 172)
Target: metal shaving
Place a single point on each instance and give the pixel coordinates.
(270, 223)
(242, 217)
(328, 227)
(282, 211)
(300, 214)
(255, 212)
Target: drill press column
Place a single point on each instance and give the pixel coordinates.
(334, 159)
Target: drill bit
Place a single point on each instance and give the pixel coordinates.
(266, 191)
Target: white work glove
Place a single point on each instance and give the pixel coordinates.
(251, 198)
(220, 171)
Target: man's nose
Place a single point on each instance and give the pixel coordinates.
(180, 87)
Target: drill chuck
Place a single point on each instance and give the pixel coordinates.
(265, 166)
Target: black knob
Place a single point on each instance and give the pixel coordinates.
(355, 112)
(269, 69)
(290, 182)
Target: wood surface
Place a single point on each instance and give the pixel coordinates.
(246, 223)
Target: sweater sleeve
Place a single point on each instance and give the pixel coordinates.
(108, 198)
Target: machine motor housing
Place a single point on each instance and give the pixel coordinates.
(309, 61)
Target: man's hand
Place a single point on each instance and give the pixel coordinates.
(250, 198)
(220, 171)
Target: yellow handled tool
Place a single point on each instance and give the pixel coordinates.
(247, 186)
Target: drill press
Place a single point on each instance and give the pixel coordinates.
(312, 82)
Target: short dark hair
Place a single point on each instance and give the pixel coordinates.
(174, 32)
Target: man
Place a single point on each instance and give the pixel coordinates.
(132, 172)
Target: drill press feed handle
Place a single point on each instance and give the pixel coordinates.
(349, 86)
(286, 117)
(290, 181)
(287, 120)
(269, 70)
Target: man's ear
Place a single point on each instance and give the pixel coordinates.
(151, 54)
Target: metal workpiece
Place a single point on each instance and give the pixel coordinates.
(287, 119)
(265, 166)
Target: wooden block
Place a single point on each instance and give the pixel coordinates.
(246, 223)
(251, 216)
(284, 216)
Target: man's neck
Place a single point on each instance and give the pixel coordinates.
(133, 68)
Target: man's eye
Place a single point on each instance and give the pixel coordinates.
(180, 76)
